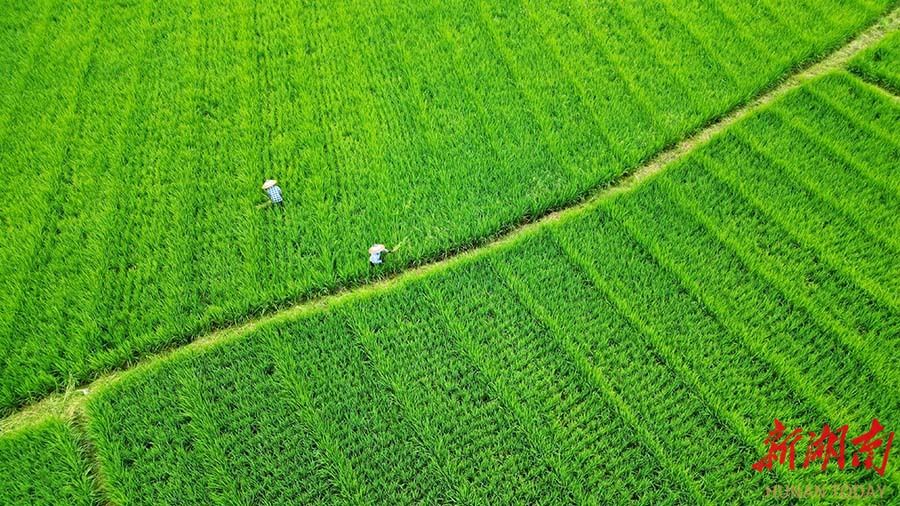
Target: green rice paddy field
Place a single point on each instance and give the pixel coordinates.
(636, 351)
(881, 64)
(45, 463)
(633, 350)
(134, 136)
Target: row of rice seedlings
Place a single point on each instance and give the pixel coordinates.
(746, 386)
(484, 451)
(359, 165)
(638, 369)
(744, 54)
(365, 444)
(43, 82)
(44, 123)
(568, 124)
(829, 297)
(836, 182)
(626, 41)
(854, 165)
(869, 5)
(459, 134)
(255, 259)
(259, 119)
(748, 383)
(781, 38)
(131, 281)
(22, 38)
(142, 267)
(449, 143)
(438, 457)
(873, 143)
(311, 384)
(104, 258)
(744, 392)
(569, 419)
(228, 101)
(459, 137)
(743, 389)
(867, 358)
(806, 218)
(633, 134)
(522, 158)
(459, 127)
(45, 312)
(814, 18)
(45, 464)
(76, 252)
(835, 179)
(410, 103)
(680, 40)
(846, 109)
(866, 103)
(455, 140)
(799, 21)
(607, 83)
(856, 12)
(880, 64)
(751, 307)
(227, 425)
(746, 296)
(218, 427)
(450, 396)
(306, 244)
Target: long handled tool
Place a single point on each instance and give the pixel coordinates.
(395, 248)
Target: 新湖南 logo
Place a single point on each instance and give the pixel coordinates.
(826, 446)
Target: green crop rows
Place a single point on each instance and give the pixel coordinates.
(134, 137)
(881, 64)
(44, 464)
(633, 352)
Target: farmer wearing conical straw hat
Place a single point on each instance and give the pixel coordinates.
(377, 250)
(375, 253)
(273, 191)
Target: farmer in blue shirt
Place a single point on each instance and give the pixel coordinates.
(273, 191)
(375, 253)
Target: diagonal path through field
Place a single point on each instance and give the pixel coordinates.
(69, 404)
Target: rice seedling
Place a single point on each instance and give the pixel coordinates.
(134, 138)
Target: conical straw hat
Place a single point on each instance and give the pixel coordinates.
(269, 183)
(377, 248)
